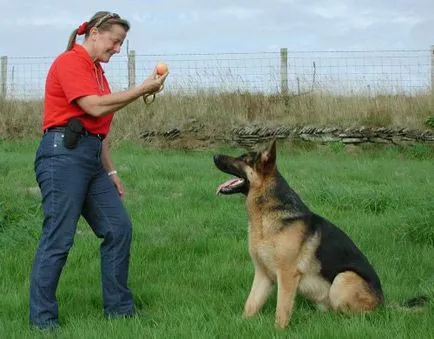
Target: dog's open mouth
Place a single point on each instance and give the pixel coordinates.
(230, 186)
(233, 166)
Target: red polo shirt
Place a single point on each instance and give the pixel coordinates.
(72, 75)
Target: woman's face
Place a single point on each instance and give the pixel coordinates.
(108, 43)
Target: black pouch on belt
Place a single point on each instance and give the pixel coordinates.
(73, 131)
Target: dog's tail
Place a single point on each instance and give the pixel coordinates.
(413, 304)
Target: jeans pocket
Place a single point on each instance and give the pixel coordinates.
(58, 145)
(51, 144)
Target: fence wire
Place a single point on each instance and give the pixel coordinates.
(337, 72)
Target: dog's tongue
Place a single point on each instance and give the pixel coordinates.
(228, 184)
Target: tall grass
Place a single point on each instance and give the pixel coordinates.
(217, 113)
(190, 269)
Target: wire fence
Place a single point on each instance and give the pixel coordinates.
(337, 72)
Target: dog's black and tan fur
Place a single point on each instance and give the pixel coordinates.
(294, 247)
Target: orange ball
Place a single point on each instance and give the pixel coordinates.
(162, 68)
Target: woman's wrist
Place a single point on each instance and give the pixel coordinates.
(112, 172)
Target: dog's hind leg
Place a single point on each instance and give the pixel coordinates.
(350, 293)
(259, 293)
(287, 284)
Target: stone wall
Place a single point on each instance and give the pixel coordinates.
(249, 136)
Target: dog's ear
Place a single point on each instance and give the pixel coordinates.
(268, 158)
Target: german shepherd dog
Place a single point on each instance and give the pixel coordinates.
(291, 245)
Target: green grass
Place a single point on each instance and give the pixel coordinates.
(190, 269)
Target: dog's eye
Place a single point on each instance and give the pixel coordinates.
(245, 157)
(250, 158)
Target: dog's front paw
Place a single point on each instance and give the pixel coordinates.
(250, 310)
(249, 314)
(280, 325)
(281, 322)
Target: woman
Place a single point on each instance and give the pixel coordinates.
(75, 172)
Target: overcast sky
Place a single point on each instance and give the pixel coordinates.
(42, 28)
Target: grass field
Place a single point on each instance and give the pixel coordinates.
(190, 269)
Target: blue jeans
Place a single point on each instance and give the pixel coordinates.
(73, 182)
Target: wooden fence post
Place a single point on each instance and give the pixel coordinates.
(432, 70)
(4, 76)
(284, 71)
(131, 69)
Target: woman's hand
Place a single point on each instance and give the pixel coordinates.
(154, 83)
(118, 184)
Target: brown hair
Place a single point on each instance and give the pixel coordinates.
(102, 20)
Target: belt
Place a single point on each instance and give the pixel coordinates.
(85, 133)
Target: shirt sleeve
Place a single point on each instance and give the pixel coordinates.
(76, 77)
